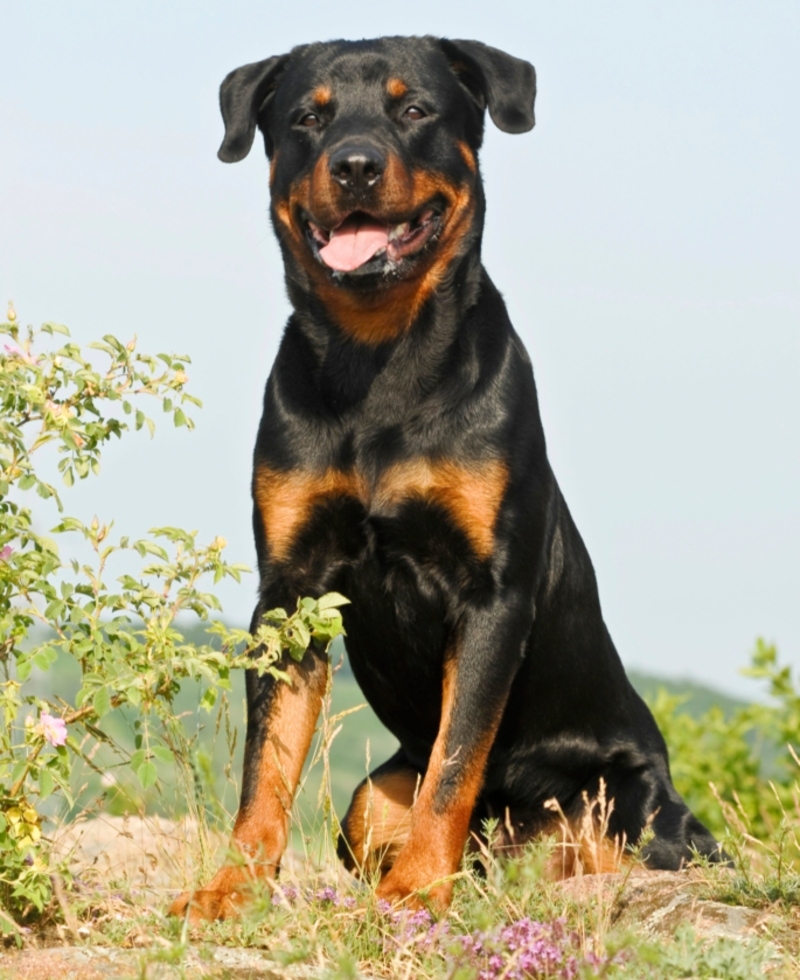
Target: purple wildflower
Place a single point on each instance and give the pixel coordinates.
(327, 894)
(54, 729)
(284, 895)
(416, 929)
(527, 950)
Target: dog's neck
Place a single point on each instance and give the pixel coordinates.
(349, 375)
(384, 318)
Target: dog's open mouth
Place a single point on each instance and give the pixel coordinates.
(362, 244)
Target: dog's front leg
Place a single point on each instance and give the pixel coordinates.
(280, 725)
(478, 672)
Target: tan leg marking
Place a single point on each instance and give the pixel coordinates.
(583, 845)
(261, 829)
(436, 842)
(378, 821)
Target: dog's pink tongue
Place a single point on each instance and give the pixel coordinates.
(353, 243)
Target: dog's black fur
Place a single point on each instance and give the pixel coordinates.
(401, 461)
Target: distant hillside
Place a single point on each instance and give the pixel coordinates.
(361, 742)
(699, 697)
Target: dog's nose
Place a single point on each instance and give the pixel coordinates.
(357, 167)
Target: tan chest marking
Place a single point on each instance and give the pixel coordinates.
(470, 493)
(286, 500)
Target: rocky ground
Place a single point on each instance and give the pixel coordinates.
(155, 857)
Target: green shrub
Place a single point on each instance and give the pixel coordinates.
(744, 758)
(122, 634)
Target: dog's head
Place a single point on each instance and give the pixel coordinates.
(373, 163)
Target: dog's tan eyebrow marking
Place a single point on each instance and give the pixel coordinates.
(322, 95)
(396, 87)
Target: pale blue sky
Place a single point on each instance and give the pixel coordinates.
(646, 236)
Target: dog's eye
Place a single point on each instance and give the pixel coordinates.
(414, 112)
(309, 120)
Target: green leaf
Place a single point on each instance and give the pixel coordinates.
(151, 548)
(101, 702)
(148, 774)
(275, 615)
(163, 754)
(54, 610)
(209, 699)
(51, 328)
(46, 784)
(69, 524)
(44, 658)
(332, 600)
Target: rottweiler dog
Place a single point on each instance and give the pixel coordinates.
(401, 461)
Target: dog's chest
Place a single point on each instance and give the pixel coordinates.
(448, 498)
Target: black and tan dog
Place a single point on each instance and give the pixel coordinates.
(401, 461)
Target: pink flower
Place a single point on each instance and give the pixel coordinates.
(17, 352)
(53, 729)
(6, 552)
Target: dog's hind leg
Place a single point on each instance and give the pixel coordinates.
(378, 820)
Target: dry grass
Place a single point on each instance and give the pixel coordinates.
(119, 873)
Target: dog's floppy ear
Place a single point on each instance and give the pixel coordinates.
(241, 97)
(505, 84)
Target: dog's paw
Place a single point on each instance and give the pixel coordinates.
(207, 905)
(399, 890)
(223, 897)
